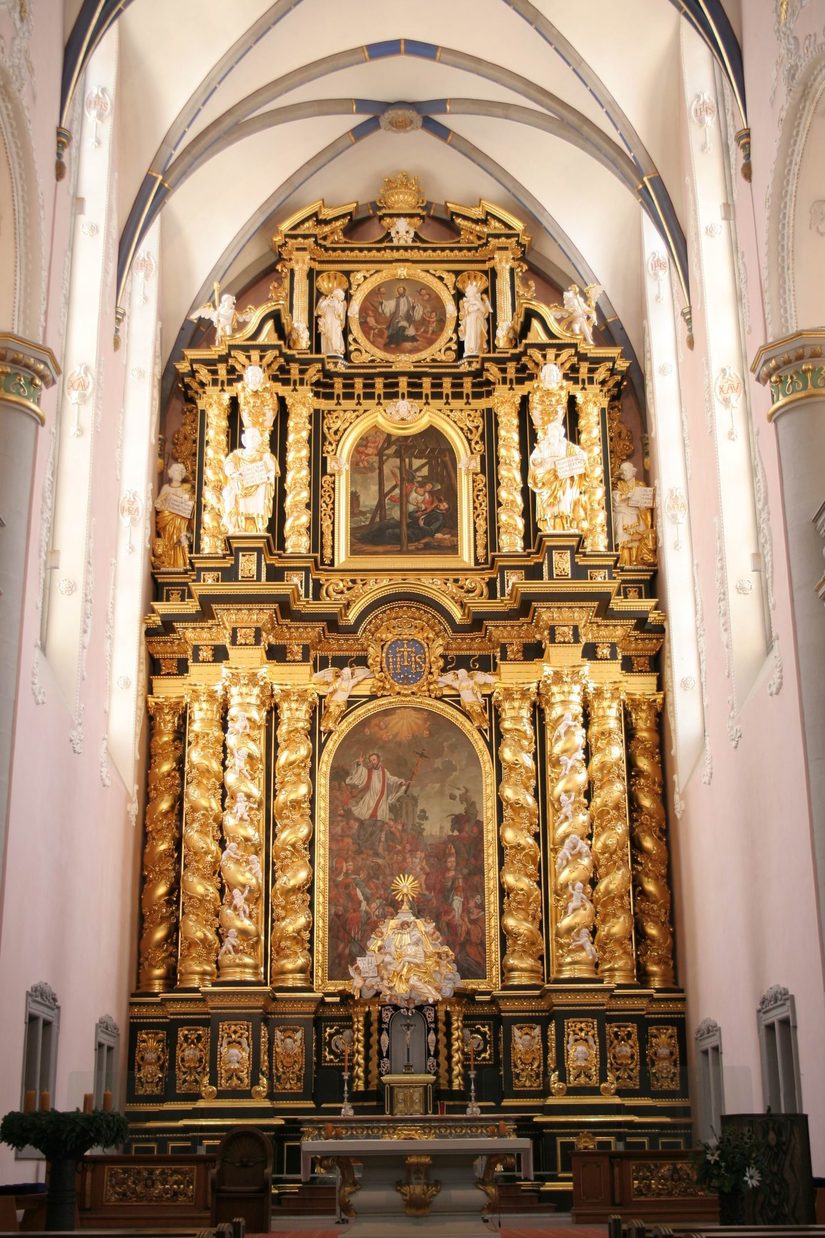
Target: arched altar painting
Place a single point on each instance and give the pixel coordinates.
(406, 794)
(403, 494)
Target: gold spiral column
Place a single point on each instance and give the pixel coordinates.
(521, 915)
(649, 848)
(510, 503)
(241, 915)
(291, 914)
(591, 401)
(215, 401)
(572, 861)
(297, 486)
(161, 859)
(611, 837)
(200, 899)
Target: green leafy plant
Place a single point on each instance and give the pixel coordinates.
(735, 1162)
(63, 1136)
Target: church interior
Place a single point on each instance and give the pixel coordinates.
(412, 727)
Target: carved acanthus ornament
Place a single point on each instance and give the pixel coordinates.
(291, 914)
(215, 401)
(510, 504)
(591, 401)
(611, 842)
(161, 853)
(241, 915)
(649, 848)
(521, 912)
(200, 899)
(296, 503)
(571, 857)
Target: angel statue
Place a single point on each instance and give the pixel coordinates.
(222, 313)
(467, 684)
(340, 684)
(581, 310)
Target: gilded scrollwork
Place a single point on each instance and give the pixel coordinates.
(591, 402)
(291, 913)
(216, 403)
(611, 840)
(241, 914)
(526, 1056)
(288, 1059)
(663, 1058)
(510, 517)
(151, 1060)
(572, 861)
(296, 503)
(327, 507)
(521, 913)
(581, 1052)
(649, 848)
(480, 515)
(235, 1056)
(149, 1184)
(191, 1058)
(200, 899)
(161, 853)
(623, 1054)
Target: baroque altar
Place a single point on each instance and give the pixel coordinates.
(398, 626)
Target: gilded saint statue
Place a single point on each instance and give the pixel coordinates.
(246, 498)
(473, 313)
(173, 520)
(633, 529)
(555, 475)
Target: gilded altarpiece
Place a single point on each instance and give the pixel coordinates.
(403, 639)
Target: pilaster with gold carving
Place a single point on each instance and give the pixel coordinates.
(291, 914)
(573, 952)
(649, 848)
(200, 897)
(161, 852)
(296, 503)
(241, 915)
(299, 335)
(510, 501)
(504, 298)
(521, 916)
(591, 401)
(215, 402)
(611, 839)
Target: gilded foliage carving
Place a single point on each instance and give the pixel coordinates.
(288, 1059)
(296, 503)
(591, 401)
(581, 1052)
(200, 899)
(291, 914)
(663, 1058)
(510, 517)
(149, 1184)
(611, 838)
(216, 403)
(151, 1060)
(480, 515)
(191, 1058)
(526, 1056)
(185, 440)
(623, 1054)
(161, 857)
(235, 1056)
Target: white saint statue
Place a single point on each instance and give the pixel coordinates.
(472, 316)
(173, 522)
(633, 530)
(556, 469)
(331, 314)
(246, 498)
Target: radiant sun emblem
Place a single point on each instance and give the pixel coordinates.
(405, 887)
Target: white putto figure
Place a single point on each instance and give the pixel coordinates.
(472, 316)
(246, 498)
(340, 684)
(331, 314)
(467, 685)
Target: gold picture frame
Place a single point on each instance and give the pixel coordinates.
(404, 315)
(377, 419)
(487, 809)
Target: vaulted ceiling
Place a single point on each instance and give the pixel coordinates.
(232, 115)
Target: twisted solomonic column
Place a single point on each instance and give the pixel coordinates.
(291, 914)
(510, 500)
(573, 913)
(297, 485)
(649, 848)
(216, 403)
(591, 401)
(200, 899)
(611, 838)
(161, 851)
(241, 915)
(521, 915)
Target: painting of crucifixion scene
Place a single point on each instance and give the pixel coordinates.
(406, 796)
(403, 494)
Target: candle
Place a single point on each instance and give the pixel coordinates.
(45, 1101)
(107, 1102)
(472, 1053)
(88, 1102)
(346, 1056)
(30, 1101)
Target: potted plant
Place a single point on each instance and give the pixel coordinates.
(64, 1139)
(732, 1165)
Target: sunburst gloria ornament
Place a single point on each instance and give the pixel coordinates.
(405, 887)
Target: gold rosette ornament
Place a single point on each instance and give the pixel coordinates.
(406, 962)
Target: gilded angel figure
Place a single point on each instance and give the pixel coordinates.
(340, 684)
(467, 684)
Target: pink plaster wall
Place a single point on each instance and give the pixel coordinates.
(69, 890)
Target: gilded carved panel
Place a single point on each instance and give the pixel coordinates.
(235, 1056)
(288, 1059)
(151, 1060)
(191, 1058)
(581, 1051)
(663, 1058)
(623, 1054)
(144, 1184)
(526, 1056)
